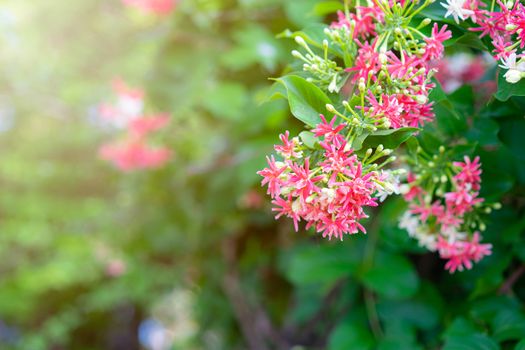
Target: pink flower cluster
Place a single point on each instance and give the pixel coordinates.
(456, 70)
(159, 7)
(397, 80)
(441, 223)
(503, 23)
(330, 194)
(129, 104)
(132, 155)
(133, 151)
(461, 254)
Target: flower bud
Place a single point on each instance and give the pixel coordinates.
(300, 41)
(421, 99)
(425, 22)
(513, 76)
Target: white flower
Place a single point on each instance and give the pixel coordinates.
(513, 76)
(515, 69)
(427, 240)
(389, 186)
(453, 235)
(333, 85)
(510, 63)
(455, 9)
(410, 223)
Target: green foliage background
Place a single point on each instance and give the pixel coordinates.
(201, 229)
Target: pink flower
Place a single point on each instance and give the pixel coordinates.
(327, 130)
(367, 62)
(272, 177)
(434, 48)
(129, 156)
(461, 254)
(289, 147)
(388, 107)
(140, 127)
(330, 194)
(122, 89)
(159, 7)
(462, 200)
(128, 105)
(469, 172)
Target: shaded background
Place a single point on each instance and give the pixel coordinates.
(189, 256)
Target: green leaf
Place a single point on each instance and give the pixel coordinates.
(306, 100)
(309, 139)
(471, 342)
(323, 264)
(350, 335)
(512, 134)
(468, 39)
(390, 138)
(507, 90)
(301, 12)
(392, 276)
(463, 335)
(327, 7)
(399, 335)
(227, 100)
(520, 345)
(509, 324)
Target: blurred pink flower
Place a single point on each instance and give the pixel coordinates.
(142, 126)
(159, 7)
(115, 268)
(129, 156)
(128, 105)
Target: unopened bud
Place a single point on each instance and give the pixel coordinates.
(296, 54)
(330, 108)
(421, 99)
(300, 41)
(425, 22)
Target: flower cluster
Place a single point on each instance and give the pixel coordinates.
(159, 7)
(504, 23)
(442, 210)
(129, 104)
(330, 188)
(461, 68)
(388, 62)
(133, 151)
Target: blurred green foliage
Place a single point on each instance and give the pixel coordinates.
(89, 253)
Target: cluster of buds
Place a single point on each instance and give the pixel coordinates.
(133, 151)
(504, 23)
(330, 187)
(445, 208)
(388, 62)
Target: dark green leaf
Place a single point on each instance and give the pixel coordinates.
(507, 90)
(392, 276)
(390, 138)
